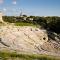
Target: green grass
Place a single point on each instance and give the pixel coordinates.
(15, 56)
(24, 24)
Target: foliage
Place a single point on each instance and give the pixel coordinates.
(14, 56)
(9, 19)
(52, 23)
(23, 24)
(41, 21)
(24, 15)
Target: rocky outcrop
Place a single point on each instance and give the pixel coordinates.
(27, 39)
(1, 14)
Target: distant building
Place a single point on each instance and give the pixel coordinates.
(1, 14)
(24, 18)
(31, 19)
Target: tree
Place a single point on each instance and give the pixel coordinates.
(40, 21)
(54, 24)
(24, 15)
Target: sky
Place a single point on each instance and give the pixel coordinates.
(30, 7)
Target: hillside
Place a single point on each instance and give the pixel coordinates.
(28, 39)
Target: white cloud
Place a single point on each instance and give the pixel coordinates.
(4, 9)
(1, 1)
(14, 2)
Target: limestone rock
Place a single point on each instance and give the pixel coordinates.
(27, 39)
(22, 38)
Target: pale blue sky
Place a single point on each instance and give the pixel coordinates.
(31, 7)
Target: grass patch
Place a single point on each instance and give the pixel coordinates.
(15, 56)
(24, 24)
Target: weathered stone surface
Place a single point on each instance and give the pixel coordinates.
(27, 39)
(22, 38)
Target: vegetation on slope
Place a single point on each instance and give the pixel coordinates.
(23, 24)
(52, 23)
(15, 56)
